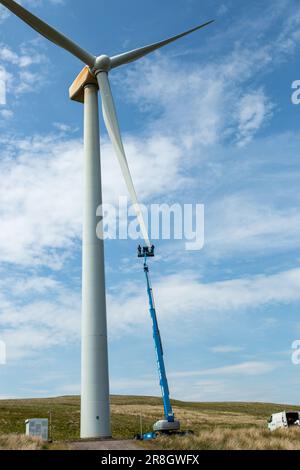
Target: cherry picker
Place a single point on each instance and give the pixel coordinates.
(168, 425)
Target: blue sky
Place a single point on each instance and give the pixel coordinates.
(206, 120)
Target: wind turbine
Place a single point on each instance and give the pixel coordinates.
(95, 407)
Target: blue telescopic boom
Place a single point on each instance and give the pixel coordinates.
(169, 415)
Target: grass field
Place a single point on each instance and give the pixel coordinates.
(216, 425)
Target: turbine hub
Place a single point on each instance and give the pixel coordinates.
(103, 63)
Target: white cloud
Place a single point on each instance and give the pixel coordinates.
(125, 385)
(6, 113)
(18, 72)
(37, 314)
(185, 292)
(41, 2)
(238, 222)
(41, 191)
(188, 106)
(243, 369)
(36, 285)
(156, 164)
(7, 55)
(64, 128)
(40, 200)
(223, 9)
(3, 79)
(289, 36)
(254, 110)
(27, 56)
(67, 389)
(214, 102)
(204, 105)
(193, 109)
(216, 384)
(4, 13)
(226, 349)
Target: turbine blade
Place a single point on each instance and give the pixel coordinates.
(48, 32)
(136, 54)
(113, 129)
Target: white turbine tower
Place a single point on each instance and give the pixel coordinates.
(95, 408)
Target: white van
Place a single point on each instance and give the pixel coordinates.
(284, 420)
